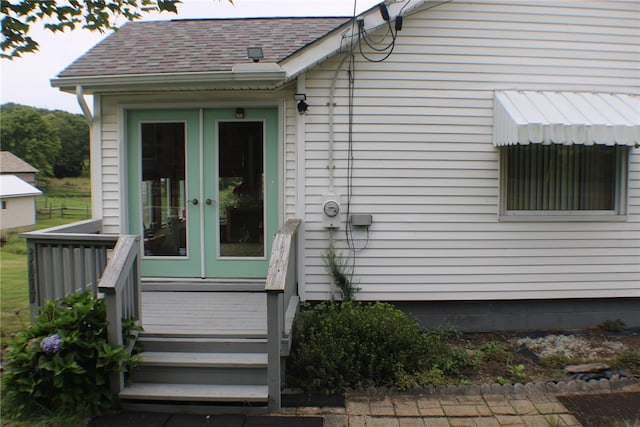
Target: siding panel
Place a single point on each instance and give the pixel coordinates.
(426, 169)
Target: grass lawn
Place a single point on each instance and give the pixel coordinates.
(14, 298)
(14, 291)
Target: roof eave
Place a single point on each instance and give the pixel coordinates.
(337, 40)
(14, 195)
(246, 74)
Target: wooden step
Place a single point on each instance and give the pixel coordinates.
(207, 360)
(196, 393)
(201, 368)
(191, 344)
(206, 285)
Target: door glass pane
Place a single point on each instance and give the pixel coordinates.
(163, 189)
(241, 189)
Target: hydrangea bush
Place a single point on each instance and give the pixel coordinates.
(62, 362)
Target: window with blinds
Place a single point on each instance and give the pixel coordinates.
(563, 178)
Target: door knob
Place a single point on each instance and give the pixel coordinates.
(194, 201)
(209, 201)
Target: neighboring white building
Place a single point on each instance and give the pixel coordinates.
(445, 132)
(17, 204)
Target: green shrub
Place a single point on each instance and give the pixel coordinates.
(629, 360)
(556, 361)
(338, 268)
(614, 326)
(341, 346)
(518, 372)
(407, 381)
(62, 362)
(494, 351)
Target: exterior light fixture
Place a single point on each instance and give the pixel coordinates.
(302, 105)
(255, 53)
(239, 113)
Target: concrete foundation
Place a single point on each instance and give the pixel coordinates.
(484, 316)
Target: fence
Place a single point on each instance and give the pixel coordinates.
(63, 211)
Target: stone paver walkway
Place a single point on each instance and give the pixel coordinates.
(530, 409)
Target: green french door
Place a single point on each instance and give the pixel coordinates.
(203, 190)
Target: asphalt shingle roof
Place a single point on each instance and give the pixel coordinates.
(10, 163)
(201, 45)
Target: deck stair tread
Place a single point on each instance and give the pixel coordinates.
(205, 344)
(178, 340)
(188, 332)
(195, 392)
(191, 344)
(225, 360)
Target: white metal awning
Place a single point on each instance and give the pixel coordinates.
(524, 117)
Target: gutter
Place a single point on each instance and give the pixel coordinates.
(260, 72)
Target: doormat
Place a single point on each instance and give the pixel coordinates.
(604, 410)
(182, 420)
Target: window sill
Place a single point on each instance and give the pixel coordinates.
(562, 217)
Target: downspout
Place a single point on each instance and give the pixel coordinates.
(331, 165)
(83, 105)
(96, 161)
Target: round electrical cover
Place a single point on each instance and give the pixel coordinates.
(331, 208)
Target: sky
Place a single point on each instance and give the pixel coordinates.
(25, 80)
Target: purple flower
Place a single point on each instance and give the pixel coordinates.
(51, 344)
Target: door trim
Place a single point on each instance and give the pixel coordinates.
(203, 267)
(123, 110)
(272, 209)
(123, 106)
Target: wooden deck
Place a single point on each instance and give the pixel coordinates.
(239, 314)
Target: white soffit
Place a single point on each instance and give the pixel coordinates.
(524, 117)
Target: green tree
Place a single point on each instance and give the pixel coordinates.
(74, 139)
(26, 134)
(94, 15)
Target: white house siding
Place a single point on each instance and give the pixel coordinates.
(290, 159)
(113, 135)
(426, 169)
(20, 213)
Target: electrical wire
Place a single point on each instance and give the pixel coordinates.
(403, 7)
(351, 76)
(384, 58)
(387, 50)
(371, 43)
(349, 232)
(350, 87)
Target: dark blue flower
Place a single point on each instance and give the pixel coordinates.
(51, 344)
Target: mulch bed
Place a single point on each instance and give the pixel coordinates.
(293, 400)
(604, 410)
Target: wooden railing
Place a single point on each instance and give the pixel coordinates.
(76, 258)
(120, 284)
(65, 259)
(282, 303)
